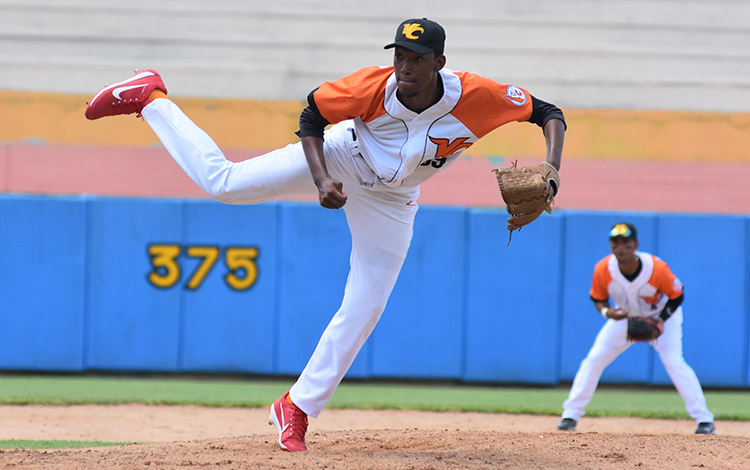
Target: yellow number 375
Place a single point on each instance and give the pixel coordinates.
(242, 270)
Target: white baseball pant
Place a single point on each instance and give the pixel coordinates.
(611, 342)
(380, 220)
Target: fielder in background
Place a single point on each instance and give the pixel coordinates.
(393, 128)
(647, 298)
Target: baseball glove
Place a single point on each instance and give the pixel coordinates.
(527, 191)
(644, 329)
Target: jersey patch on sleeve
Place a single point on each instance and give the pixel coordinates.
(676, 285)
(515, 95)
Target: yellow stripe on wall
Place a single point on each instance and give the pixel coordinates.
(59, 119)
(254, 124)
(630, 134)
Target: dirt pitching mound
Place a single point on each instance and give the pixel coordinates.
(172, 437)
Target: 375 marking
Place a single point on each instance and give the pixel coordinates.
(240, 262)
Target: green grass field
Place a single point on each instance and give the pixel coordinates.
(647, 402)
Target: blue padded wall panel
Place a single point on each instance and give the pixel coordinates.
(707, 253)
(513, 299)
(228, 320)
(42, 264)
(132, 325)
(75, 292)
(586, 242)
(420, 334)
(315, 246)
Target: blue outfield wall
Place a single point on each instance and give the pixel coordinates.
(159, 285)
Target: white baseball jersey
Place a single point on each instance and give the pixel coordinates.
(404, 148)
(646, 295)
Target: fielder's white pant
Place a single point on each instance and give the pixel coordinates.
(611, 342)
(380, 220)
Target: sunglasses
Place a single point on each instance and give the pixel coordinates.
(620, 230)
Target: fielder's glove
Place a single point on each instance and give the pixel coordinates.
(644, 329)
(527, 191)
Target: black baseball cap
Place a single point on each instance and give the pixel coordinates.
(419, 35)
(623, 230)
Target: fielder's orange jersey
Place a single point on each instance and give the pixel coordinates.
(405, 148)
(646, 295)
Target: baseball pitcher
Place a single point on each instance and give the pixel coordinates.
(391, 129)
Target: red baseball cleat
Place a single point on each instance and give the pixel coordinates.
(126, 97)
(290, 422)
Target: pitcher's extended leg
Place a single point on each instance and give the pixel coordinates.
(282, 172)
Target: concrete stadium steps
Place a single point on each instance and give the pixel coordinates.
(632, 54)
(695, 187)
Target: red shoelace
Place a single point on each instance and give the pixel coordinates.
(128, 106)
(298, 424)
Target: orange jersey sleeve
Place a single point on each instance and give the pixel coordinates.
(486, 105)
(664, 280)
(360, 94)
(601, 280)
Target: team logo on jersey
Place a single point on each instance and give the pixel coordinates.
(412, 30)
(446, 148)
(515, 95)
(654, 299)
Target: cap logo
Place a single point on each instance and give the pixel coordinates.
(620, 230)
(412, 30)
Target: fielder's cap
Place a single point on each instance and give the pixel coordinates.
(623, 230)
(419, 35)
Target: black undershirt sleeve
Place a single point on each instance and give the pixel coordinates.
(671, 306)
(311, 122)
(541, 112)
